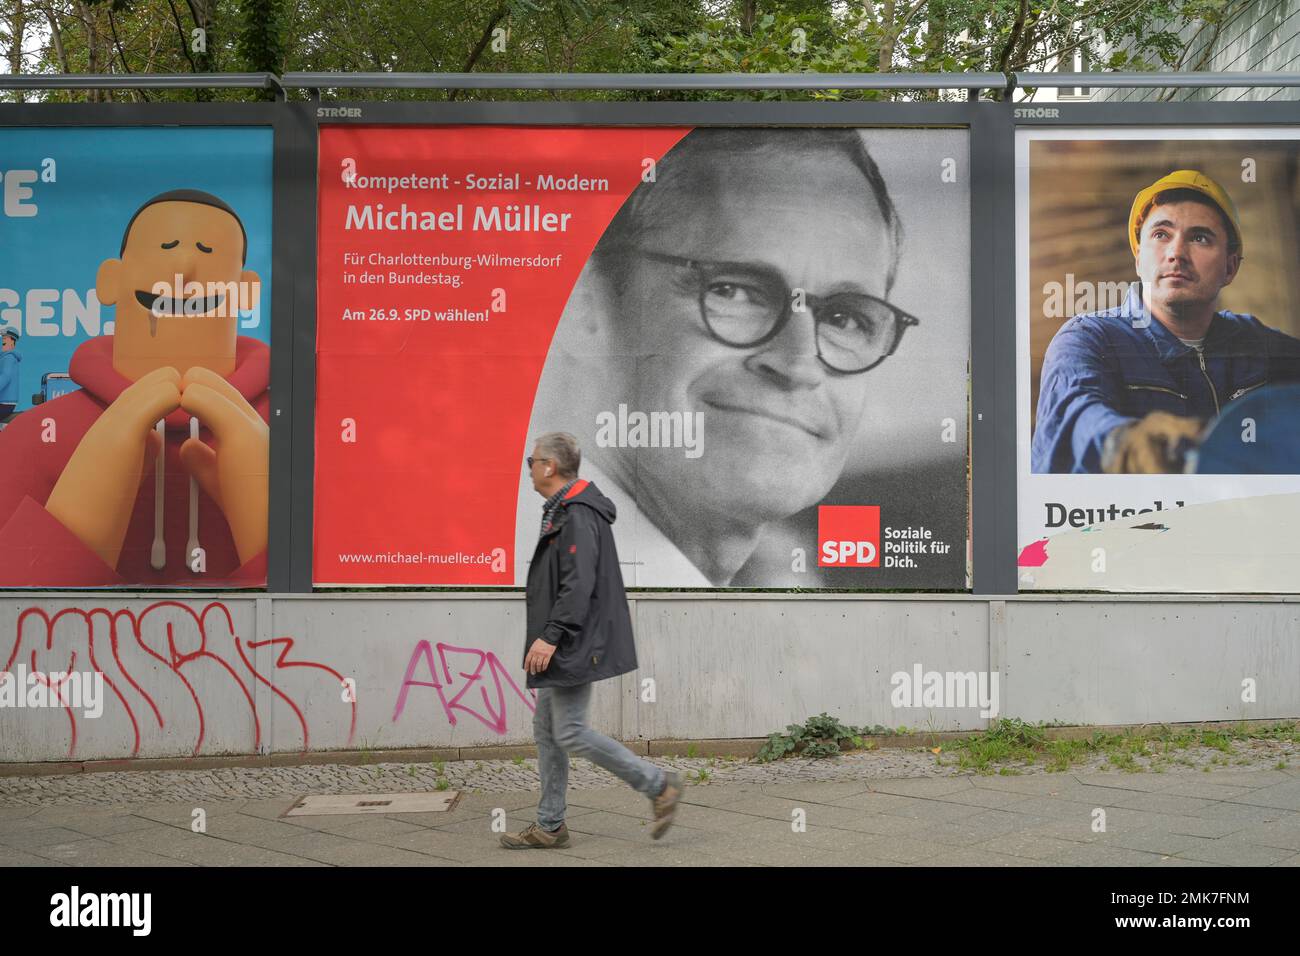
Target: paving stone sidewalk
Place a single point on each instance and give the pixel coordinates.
(113, 788)
(873, 809)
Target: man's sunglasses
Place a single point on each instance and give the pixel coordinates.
(530, 459)
(745, 305)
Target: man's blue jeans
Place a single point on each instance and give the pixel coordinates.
(560, 728)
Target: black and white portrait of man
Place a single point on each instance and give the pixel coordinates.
(778, 320)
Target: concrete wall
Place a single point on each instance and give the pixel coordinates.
(248, 674)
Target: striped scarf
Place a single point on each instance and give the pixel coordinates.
(551, 505)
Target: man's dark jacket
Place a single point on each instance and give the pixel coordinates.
(575, 594)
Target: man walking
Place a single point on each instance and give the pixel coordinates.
(579, 631)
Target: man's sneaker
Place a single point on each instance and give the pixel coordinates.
(665, 805)
(534, 837)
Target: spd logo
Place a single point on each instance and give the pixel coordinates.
(848, 536)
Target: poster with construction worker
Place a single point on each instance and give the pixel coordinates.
(1159, 381)
(135, 289)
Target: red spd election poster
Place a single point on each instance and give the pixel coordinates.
(757, 336)
(446, 257)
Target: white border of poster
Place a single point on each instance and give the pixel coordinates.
(1231, 533)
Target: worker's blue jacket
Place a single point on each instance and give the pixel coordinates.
(1110, 368)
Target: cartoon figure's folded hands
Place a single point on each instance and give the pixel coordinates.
(235, 474)
(94, 496)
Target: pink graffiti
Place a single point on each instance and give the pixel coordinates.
(171, 654)
(495, 717)
(1034, 555)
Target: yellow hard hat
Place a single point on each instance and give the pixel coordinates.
(1183, 179)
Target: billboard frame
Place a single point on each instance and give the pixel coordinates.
(991, 127)
(991, 504)
(285, 256)
(1253, 114)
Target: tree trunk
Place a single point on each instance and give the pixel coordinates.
(484, 39)
(748, 15)
(17, 33)
(205, 58)
(936, 37)
(885, 60)
(202, 12)
(1013, 41)
(56, 37)
(94, 63)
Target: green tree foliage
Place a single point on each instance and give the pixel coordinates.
(940, 36)
(616, 36)
(261, 43)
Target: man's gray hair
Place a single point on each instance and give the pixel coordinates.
(702, 157)
(563, 449)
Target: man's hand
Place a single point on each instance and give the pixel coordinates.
(95, 495)
(1156, 444)
(538, 657)
(236, 474)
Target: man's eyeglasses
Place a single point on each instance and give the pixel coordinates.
(531, 459)
(745, 305)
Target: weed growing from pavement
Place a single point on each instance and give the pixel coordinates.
(1008, 742)
(1011, 742)
(820, 736)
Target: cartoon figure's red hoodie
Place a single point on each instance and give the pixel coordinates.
(37, 551)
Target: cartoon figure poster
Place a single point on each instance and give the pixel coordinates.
(134, 380)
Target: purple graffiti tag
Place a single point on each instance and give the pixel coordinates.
(492, 691)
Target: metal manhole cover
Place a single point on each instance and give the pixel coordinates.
(324, 804)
